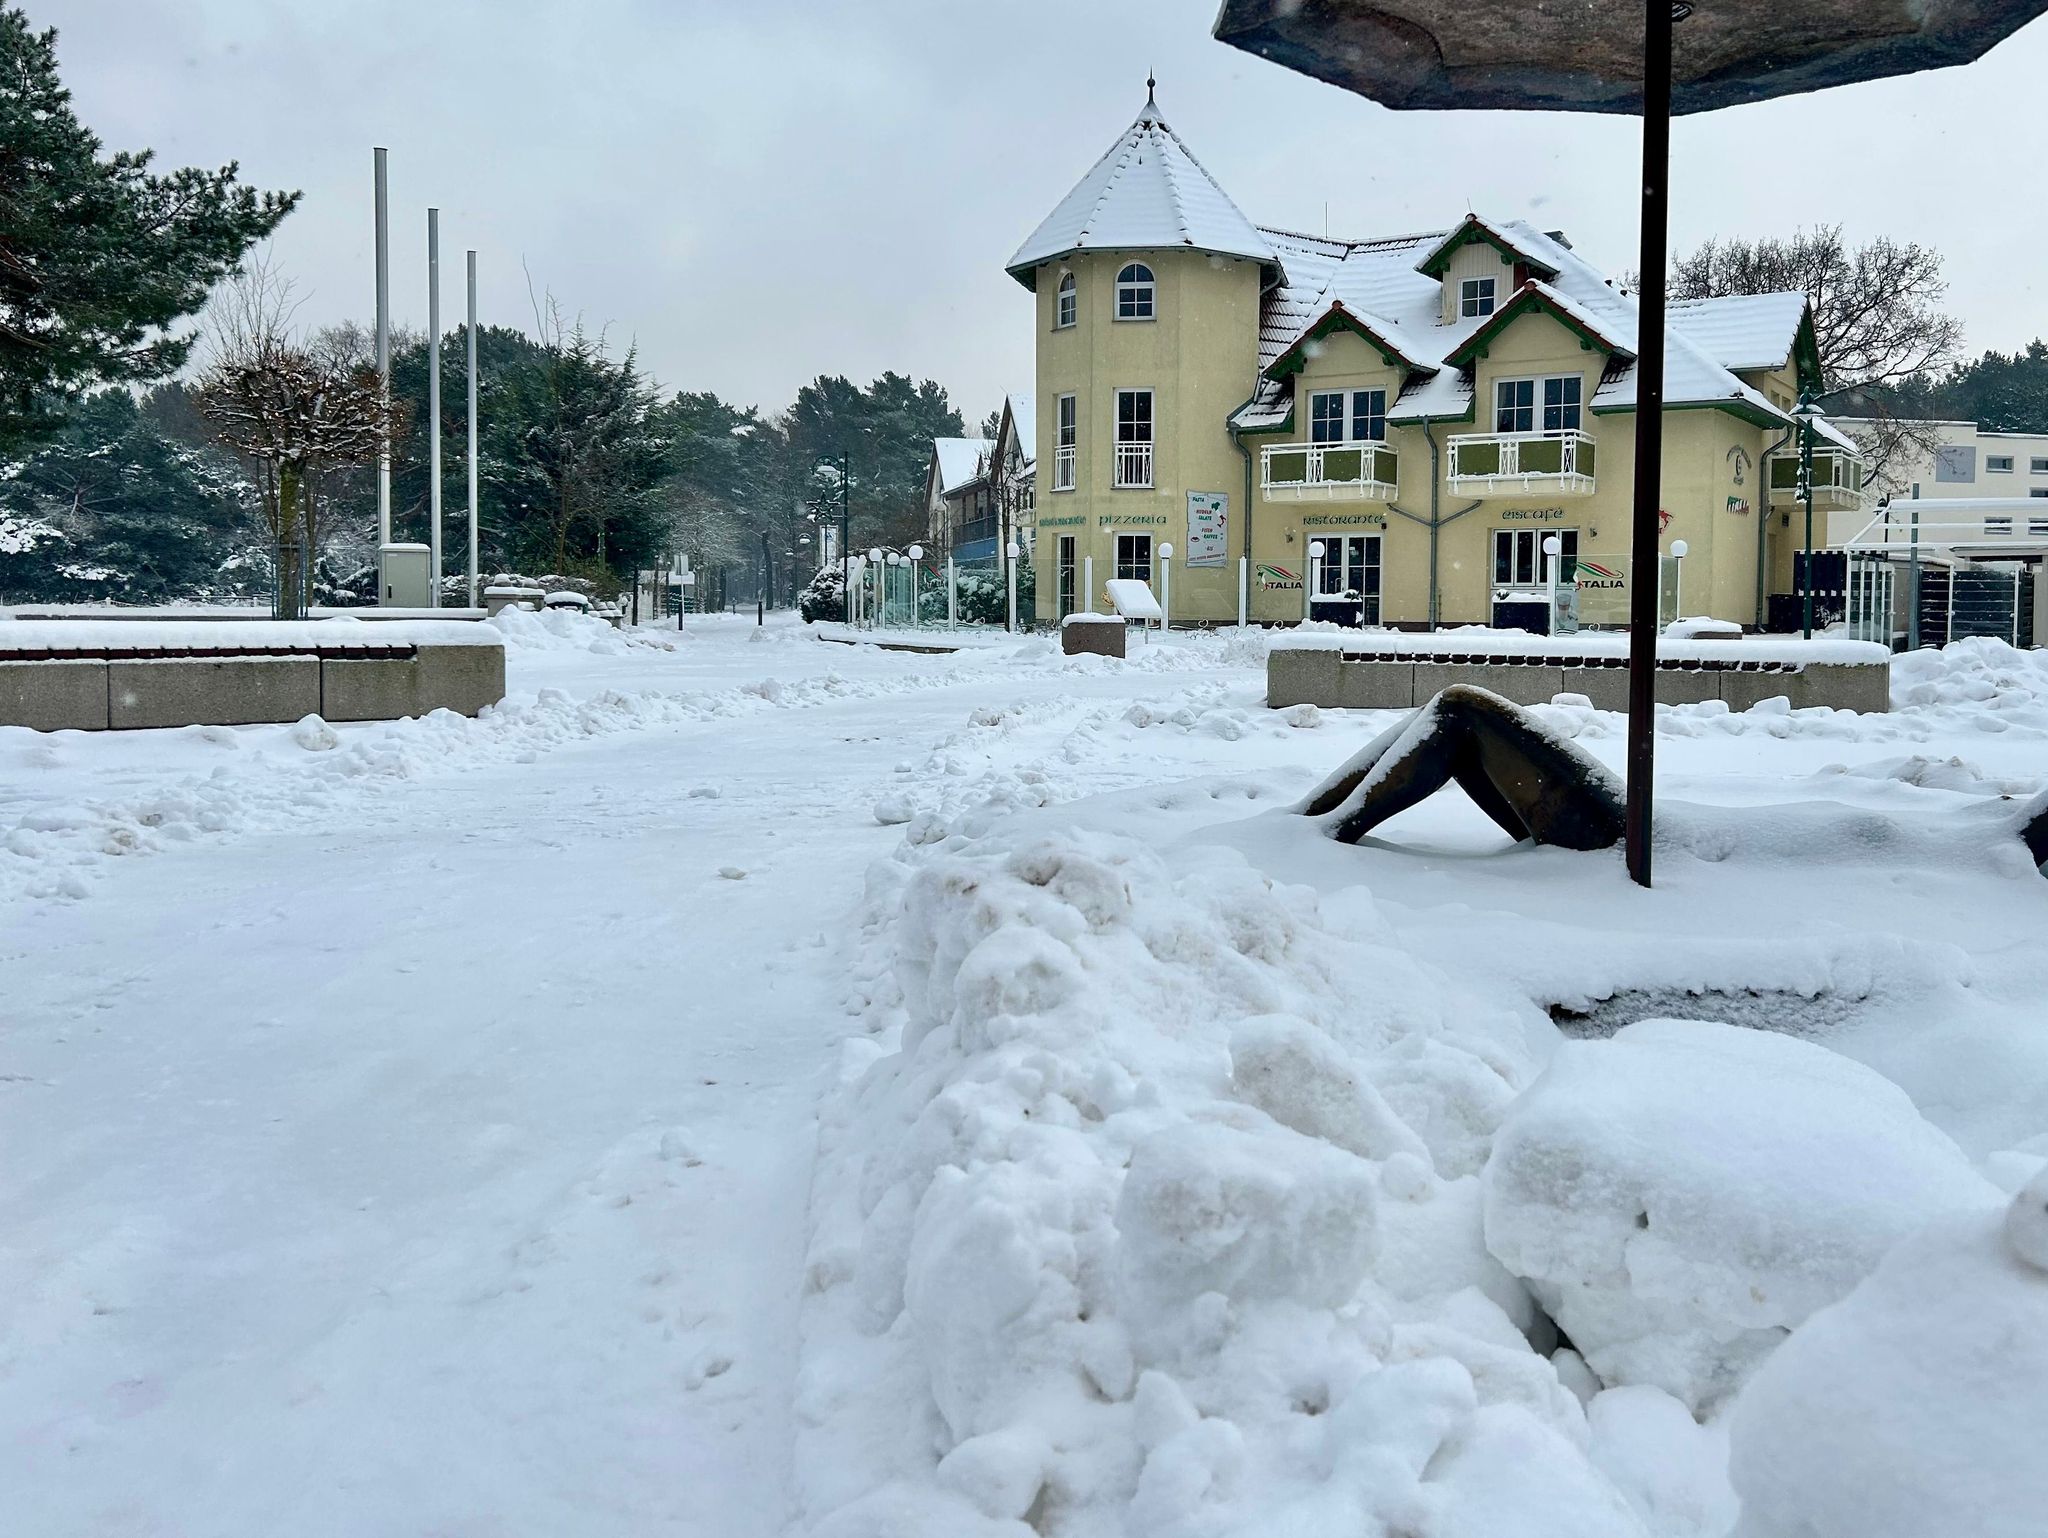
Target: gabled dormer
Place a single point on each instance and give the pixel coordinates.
(1479, 266)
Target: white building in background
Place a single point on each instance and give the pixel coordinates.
(1962, 461)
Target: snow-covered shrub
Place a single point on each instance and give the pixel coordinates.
(1919, 1403)
(1681, 1195)
(824, 596)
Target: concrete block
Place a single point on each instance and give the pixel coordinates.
(1685, 686)
(1867, 689)
(1299, 676)
(232, 691)
(459, 678)
(54, 696)
(1743, 689)
(1518, 683)
(1093, 638)
(1375, 685)
(1607, 688)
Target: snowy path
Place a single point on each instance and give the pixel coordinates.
(445, 1172)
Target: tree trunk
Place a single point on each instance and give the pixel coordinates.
(289, 599)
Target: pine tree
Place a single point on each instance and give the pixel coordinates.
(99, 258)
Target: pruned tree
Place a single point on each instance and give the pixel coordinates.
(1877, 316)
(291, 414)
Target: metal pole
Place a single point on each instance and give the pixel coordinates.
(1165, 593)
(845, 545)
(1643, 583)
(434, 404)
(1806, 496)
(1010, 568)
(472, 431)
(1913, 581)
(1088, 579)
(952, 596)
(383, 352)
(1243, 589)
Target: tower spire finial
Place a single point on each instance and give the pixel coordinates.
(1151, 85)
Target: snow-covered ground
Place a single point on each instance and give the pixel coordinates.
(747, 1084)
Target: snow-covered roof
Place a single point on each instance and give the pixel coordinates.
(959, 461)
(1022, 411)
(1743, 331)
(1381, 284)
(1148, 193)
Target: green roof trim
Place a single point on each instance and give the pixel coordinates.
(1526, 300)
(1747, 411)
(1473, 228)
(1338, 318)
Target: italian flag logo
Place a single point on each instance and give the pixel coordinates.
(1595, 569)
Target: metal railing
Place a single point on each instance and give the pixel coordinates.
(1063, 467)
(1330, 470)
(1133, 466)
(1560, 461)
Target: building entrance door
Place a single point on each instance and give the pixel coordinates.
(1348, 580)
(1064, 571)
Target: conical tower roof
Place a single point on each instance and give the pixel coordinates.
(1147, 194)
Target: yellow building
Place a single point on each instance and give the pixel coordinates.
(1427, 408)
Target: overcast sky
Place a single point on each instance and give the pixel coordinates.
(760, 191)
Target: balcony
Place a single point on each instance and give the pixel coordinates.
(1837, 480)
(1558, 464)
(1133, 467)
(1301, 472)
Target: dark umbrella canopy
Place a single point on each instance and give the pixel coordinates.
(1587, 55)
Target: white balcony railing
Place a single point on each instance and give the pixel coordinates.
(1558, 463)
(1133, 466)
(1328, 471)
(1063, 467)
(1837, 480)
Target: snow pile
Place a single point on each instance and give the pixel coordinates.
(1153, 1207)
(1916, 1405)
(1682, 1194)
(568, 629)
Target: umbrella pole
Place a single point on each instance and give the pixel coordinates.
(1643, 573)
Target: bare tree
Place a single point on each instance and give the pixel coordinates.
(291, 411)
(1877, 317)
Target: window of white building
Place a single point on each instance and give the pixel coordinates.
(1067, 304)
(1518, 556)
(1133, 439)
(1068, 445)
(1475, 297)
(1134, 557)
(1998, 464)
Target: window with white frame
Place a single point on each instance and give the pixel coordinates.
(2038, 465)
(2036, 527)
(1475, 297)
(1133, 438)
(1518, 556)
(1997, 525)
(2039, 491)
(1368, 416)
(1515, 404)
(1998, 464)
(1134, 292)
(1066, 304)
(1347, 416)
(1067, 445)
(1134, 557)
(1326, 416)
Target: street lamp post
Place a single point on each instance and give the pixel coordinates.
(1679, 550)
(1553, 547)
(1012, 551)
(1309, 579)
(1806, 413)
(1165, 587)
(916, 554)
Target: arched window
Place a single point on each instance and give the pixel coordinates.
(1134, 292)
(1068, 306)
